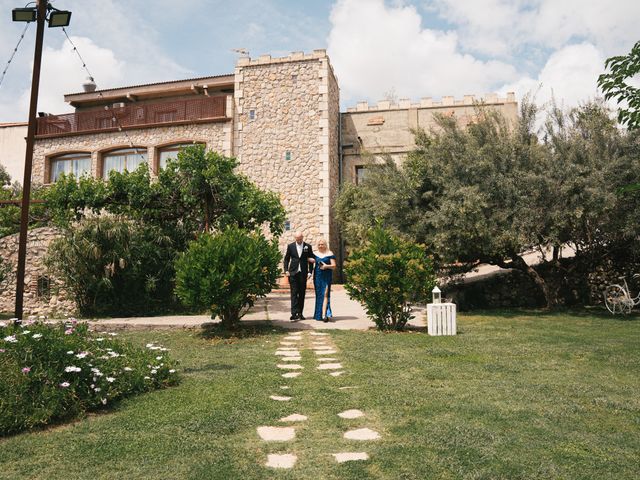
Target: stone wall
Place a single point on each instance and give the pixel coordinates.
(334, 161)
(286, 117)
(217, 136)
(51, 301)
(369, 131)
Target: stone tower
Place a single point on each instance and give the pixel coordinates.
(286, 132)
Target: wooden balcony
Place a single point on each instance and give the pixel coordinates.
(134, 115)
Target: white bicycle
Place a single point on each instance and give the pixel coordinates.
(618, 299)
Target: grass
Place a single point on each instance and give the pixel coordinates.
(521, 396)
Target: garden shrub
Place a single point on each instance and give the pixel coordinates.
(387, 274)
(225, 272)
(50, 373)
(115, 266)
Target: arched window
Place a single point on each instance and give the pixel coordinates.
(171, 151)
(123, 159)
(77, 164)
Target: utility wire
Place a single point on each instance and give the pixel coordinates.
(4, 72)
(106, 107)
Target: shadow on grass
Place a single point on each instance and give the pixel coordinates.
(216, 331)
(593, 312)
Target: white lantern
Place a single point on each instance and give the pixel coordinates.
(436, 295)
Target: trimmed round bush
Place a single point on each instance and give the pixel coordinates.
(225, 272)
(387, 275)
(51, 373)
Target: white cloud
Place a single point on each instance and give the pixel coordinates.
(374, 48)
(570, 75)
(501, 27)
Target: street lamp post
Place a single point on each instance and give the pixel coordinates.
(57, 18)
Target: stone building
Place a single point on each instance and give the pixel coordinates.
(280, 117)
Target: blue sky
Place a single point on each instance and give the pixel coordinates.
(401, 48)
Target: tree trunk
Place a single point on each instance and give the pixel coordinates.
(549, 296)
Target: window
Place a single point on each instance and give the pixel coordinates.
(252, 114)
(43, 288)
(287, 155)
(287, 225)
(123, 159)
(361, 174)
(76, 164)
(171, 151)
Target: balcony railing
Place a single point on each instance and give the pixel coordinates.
(134, 115)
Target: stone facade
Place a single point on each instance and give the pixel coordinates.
(286, 136)
(43, 294)
(369, 131)
(216, 136)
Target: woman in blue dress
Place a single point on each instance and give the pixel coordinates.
(325, 264)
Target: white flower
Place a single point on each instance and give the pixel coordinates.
(11, 339)
(159, 358)
(72, 368)
(99, 339)
(104, 401)
(97, 389)
(65, 384)
(172, 371)
(147, 378)
(37, 335)
(113, 334)
(154, 371)
(82, 354)
(111, 379)
(70, 352)
(2, 324)
(24, 332)
(128, 369)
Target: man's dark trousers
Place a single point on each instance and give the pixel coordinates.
(298, 286)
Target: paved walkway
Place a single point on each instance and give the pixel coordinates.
(349, 315)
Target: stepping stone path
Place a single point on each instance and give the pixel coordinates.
(348, 456)
(351, 414)
(330, 366)
(296, 417)
(288, 366)
(362, 434)
(276, 434)
(281, 461)
(289, 350)
(280, 398)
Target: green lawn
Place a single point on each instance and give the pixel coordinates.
(512, 396)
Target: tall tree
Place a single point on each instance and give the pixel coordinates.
(615, 85)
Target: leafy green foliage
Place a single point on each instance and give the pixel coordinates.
(39, 214)
(50, 373)
(197, 192)
(115, 266)
(225, 272)
(387, 275)
(614, 85)
(490, 192)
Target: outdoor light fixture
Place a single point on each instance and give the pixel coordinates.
(56, 18)
(59, 18)
(23, 14)
(436, 295)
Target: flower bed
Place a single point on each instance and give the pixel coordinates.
(50, 373)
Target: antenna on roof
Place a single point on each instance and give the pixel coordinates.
(243, 52)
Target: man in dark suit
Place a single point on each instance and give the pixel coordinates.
(296, 268)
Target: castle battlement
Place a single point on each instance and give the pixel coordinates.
(428, 102)
(294, 57)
